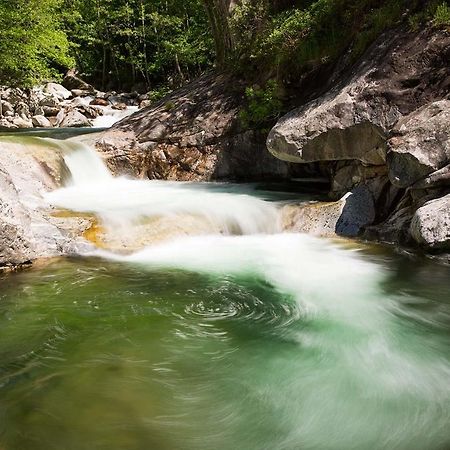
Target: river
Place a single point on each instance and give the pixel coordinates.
(226, 334)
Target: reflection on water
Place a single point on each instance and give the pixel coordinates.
(103, 354)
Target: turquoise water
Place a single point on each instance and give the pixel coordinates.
(101, 354)
(244, 338)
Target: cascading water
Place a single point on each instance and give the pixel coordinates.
(227, 335)
(110, 116)
(122, 202)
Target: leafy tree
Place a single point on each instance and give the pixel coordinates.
(32, 45)
(118, 43)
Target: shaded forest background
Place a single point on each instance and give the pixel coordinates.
(157, 45)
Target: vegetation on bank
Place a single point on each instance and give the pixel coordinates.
(160, 44)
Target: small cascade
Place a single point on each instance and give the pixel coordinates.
(111, 116)
(85, 165)
(134, 213)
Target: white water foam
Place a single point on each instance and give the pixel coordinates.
(111, 116)
(320, 275)
(120, 201)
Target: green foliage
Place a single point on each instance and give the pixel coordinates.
(442, 15)
(159, 93)
(32, 45)
(287, 41)
(435, 11)
(376, 22)
(263, 104)
(118, 43)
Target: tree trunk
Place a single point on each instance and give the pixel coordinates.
(218, 14)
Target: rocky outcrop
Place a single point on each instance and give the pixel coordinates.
(400, 73)
(421, 144)
(193, 134)
(29, 230)
(384, 126)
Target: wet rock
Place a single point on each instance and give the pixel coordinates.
(99, 102)
(430, 226)
(40, 122)
(345, 217)
(421, 145)
(27, 228)
(91, 112)
(119, 106)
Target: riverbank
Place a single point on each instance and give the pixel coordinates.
(72, 104)
(377, 129)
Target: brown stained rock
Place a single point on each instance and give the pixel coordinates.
(193, 134)
(99, 102)
(345, 217)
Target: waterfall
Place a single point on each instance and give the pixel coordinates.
(121, 203)
(85, 165)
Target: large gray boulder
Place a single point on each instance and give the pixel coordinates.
(430, 226)
(400, 73)
(338, 127)
(421, 145)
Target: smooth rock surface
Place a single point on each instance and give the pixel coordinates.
(421, 144)
(430, 226)
(28, 229)
(58, 91)
(345, 217)
(399, 73)
(74, 118)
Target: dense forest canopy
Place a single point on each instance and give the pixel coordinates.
(160, 44)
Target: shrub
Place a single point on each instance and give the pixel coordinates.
(263, 105)
(442, 15)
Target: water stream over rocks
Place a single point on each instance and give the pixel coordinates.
(198, 324)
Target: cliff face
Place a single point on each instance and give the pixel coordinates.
(386, 126)
(192, 135)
